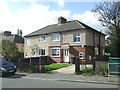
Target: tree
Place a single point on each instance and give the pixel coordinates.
(108, 13)
(9, 49)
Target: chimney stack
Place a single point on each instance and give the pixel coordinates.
(7, 33)
(61, 20)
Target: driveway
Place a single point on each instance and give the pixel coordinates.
(65, 70)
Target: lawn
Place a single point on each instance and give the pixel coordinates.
(55, 66)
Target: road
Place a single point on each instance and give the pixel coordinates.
(46, 80)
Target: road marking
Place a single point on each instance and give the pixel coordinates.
(40, 78)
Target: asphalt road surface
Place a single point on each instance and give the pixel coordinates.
(25, 80)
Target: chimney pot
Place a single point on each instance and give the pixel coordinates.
(61, 20)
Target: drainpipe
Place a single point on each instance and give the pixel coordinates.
(99, 46)
(93, 44)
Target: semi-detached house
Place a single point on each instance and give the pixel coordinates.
(64, 40)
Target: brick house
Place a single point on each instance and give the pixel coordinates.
(18, 40)
(64, 40)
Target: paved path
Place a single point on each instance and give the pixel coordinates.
(66, 70)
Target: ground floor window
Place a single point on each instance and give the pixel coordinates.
(96, 51)
(33, 52)
(81, 56)
(42, 51)
(55, 52)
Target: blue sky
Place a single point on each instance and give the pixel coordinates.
(31, 15)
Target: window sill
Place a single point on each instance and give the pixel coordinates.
(55, 56)
(42, 55)
(76, 42)
(42, 41)
(55, 40)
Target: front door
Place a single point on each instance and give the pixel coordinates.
(66, 55)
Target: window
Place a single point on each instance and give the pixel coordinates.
(42, 38)
(28, 41)
(81, 55)
(55, 37)
(96, 51)
(76, 38)
(33, 52)
(56, 52)
(42, 52)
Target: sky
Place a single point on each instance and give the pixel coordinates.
(31, 15)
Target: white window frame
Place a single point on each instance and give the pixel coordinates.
(27, 41)
(41, 36)
(33, 52)
(52, 52)
(96, 50)
(76, 36)
(40, 53)
(81, 55)
(57, 38)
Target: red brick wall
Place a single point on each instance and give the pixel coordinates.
(87, 51)
(74, 51)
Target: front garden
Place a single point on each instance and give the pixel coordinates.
(35, 68)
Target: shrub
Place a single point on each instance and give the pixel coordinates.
(87, 72)
(102, 69)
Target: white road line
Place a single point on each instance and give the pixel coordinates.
(39, 78)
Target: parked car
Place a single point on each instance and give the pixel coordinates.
(7, 68)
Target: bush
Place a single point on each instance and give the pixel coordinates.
(102, 69)
(87, 72)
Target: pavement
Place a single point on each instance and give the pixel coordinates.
(71, 77)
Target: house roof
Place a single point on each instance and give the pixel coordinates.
(68, 26)
(13, 38)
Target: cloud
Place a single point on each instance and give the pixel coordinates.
(60, 3)
(5, 16)
(31, 19)
(89, 18)
(37, 16)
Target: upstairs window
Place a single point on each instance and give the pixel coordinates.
(42, 52)
(55, 37)
(42, 38)
(76, 38)
(28, 41)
